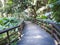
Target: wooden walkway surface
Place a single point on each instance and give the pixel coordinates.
(34, 35)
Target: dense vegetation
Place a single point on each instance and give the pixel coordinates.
(8, 22)
(12, 11)
(56, 11)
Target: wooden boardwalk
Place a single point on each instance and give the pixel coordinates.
(34, 35)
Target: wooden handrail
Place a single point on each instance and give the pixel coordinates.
(9, 29)
(57, 30)
(20, 26)
(52, 29)
(53, 24)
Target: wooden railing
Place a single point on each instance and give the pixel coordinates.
(11, 34)
(51, 28)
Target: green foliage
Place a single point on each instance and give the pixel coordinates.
(8, 22)
(52, 1)
(41, 17)
(10, 2)
(56, 11)
(15, 6)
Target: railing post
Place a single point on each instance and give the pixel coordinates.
(8, 42)
(8, 38)
(19, 32)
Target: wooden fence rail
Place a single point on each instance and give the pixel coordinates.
(15, 31)
(52, 28)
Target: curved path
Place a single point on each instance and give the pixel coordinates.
(34, 35)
